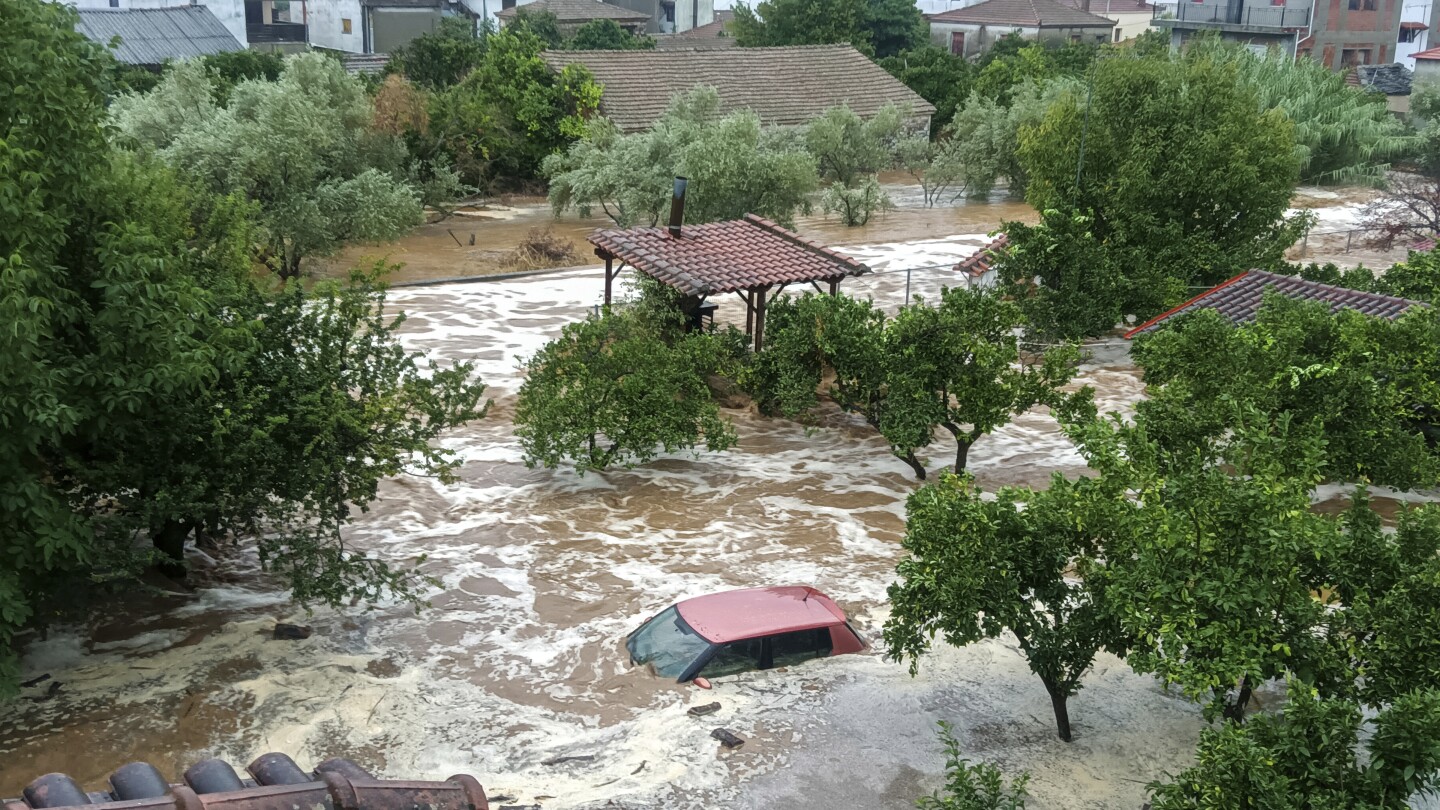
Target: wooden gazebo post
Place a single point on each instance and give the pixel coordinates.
(759, 294)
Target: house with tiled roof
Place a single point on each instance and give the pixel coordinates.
(978, 269)
(150, 37)
(1427, 65)
(714, 34)
(571, 14)
(788, 86)
(1132, 17)
(1393, 80)
(970, 31)
(1239, 298)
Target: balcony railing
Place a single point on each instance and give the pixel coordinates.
(1234, 13)
(275, 32)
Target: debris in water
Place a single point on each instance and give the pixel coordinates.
(36, 680)
(727, 738)
(562, 760)
(292, 632)
(519, 807)
(701, 711)
(643, 763)
(49, 693)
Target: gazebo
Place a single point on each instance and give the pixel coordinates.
(752, 257)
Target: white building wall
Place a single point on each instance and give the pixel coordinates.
(1417, 11)
(231, 13)
(693, 14)
(1427, 70)
(326, 20)
(978, 38)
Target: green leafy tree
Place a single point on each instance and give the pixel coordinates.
(1068, 283)
(977, 786)
(936, 166)
(987, 135)
(849, 151)
(441, 58)
(1305, 759)
(542, 24)
(801, 22)
(735, 167)
(301, 148)
(895, 26)
(232, 67)
(1343, 134)
(1365, 382)
(1209, 204)
(607, 35)
(1416, 278)
(1024, 563)
(620, 389)
(956, 365)
(507, 115)
(936, 75)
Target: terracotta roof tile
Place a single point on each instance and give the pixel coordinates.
(1023, 13)
(581, 11)
(1433, 53)
(784, 86)
(1103, 7)
(982, 261)
(721, 257)
(1240, 298)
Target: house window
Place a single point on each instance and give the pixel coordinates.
(1362, 5)
(344, 25)
(1411, 34)
(957, 43)
(114, 3)
(1117, 34)
(1350, 57)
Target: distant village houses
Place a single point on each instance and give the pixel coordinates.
(972, 30)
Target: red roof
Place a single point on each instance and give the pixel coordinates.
(752, 612)
(982, 261)
(721, 257)
(1240, 298)
(1433, 53)
(1413, 26)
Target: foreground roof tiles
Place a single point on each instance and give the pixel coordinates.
(152, 36)
(1240, 298)
(1433, 53)
(784, 86)
(1023, 14)
(721, 257)
(577, 11)
(982, 261)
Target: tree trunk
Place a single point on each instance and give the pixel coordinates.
(1235, 712)
(1058, 700)
(169, 539)
(909, 458)
(962, 455)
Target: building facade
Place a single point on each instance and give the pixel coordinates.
(1258, 24)
(972, 30)
(372, 26)
(1350, 33)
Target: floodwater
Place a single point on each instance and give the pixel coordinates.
(519, 660)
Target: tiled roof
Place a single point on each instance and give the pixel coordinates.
(1240, 298)
(1413, 26)
(578, 11)
(1023, 14)
(982, 261)
(710, 35)
(1392, 79)
(1433, 53)
(151, 36)
(721, 257)
(784, 86)
(1104, 7)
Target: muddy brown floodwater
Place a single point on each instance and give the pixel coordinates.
(543, 572)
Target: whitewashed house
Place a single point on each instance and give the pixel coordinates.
(970, 31)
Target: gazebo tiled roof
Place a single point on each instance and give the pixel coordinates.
(1240, 298)
(982, 261)
(723, 257)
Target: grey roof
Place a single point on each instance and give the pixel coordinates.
(150, 36)
(1393, 79)
(784, 86)
(578, 11)
(1240, 298)
(368, 63)
(1023, 14)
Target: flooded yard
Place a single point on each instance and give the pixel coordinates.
(542, 573)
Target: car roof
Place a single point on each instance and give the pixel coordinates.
(751, 612)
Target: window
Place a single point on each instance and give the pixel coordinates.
(1350, 57)
(1411, 34)
(789, 649)
(1117, 34)
(1075, 38)
(345, 25)
(667, 644)
(957, 43)
(1362, 5)
(114, 3)
(735, 658)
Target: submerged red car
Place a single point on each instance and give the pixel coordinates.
(737, 631)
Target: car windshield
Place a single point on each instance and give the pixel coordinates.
(667, 644)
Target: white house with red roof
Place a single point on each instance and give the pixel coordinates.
(971, 30)
(1427, 65)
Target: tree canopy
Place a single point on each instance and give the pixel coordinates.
(735, 166)
(877, 27)
(607, 35)
(439, 59)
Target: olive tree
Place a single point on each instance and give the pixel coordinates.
(849, 151)
(1028, 563)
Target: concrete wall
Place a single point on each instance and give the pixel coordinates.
(1127, 25)
(392, 27)
(1427, 70)
(231, 13)
(1369, 33)
(327, 28)
(1260, 43)
(979, 38)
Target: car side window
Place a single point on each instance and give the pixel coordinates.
(789, 649)
(734, 658)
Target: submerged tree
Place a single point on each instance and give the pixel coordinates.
(956, 365)
(1028, 563)
(849, 151)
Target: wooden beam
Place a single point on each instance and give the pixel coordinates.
(749, 311)
(834, 286)
(760, 318)
(608, 278)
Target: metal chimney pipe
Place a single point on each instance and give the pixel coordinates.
(677, 207)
